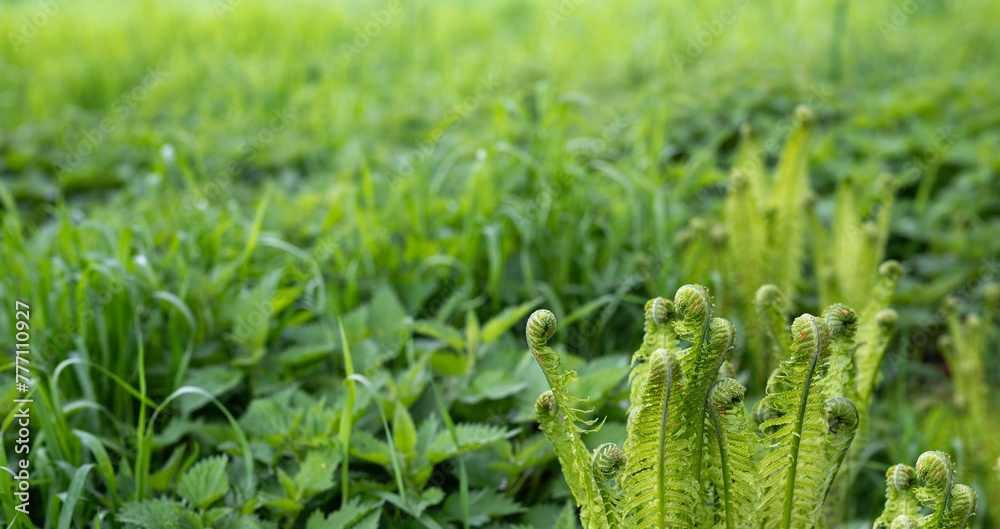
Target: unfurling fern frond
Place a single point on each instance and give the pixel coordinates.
(609, 462)
(772, 313)
(560, 419)
(843, 324)
(791, 474)
(658, 334)
(735, 484)
(935, 470)
(900, 495)
(842, 419)
(787, 231)
(951, 504)
(712, 339)
(658, 490)
(689, 459)
(963, 507)
(906, 522)
(878, 324)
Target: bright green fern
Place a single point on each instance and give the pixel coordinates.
(948, 505)
(692, 457)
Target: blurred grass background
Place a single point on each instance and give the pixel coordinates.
(457, 157)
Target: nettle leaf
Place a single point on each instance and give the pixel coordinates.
(162, 479)
(597, 378)
(212, 516)
(470, 437)
(353, 514)
(483, 505)
(244, 521)
(386, 313)
(269, 419)
(567, 518)
(404, 433)
(446, 334)
(494, 384)
(413, 505)
(449, 363)
(509, 317)
(205, 483)
(317, 471)
(159, 513)
(369, 448)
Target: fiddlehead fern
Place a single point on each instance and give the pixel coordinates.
(658, 334)
(788, 194)
(559, 419)
(842, 419)
(774, 339)
(733, 454)
(935, 470)
(665, 475)
(656, 489)
(609, 462)
(788, 494)
(843, 324)
(963, 507)
(906, 522)
(900, 495)
(952, 505)
(878, 324)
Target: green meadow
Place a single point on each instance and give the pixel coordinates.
(268, 264)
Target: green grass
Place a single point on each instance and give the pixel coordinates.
(255, 190)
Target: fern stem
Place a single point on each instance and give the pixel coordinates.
(786, 511)
(727, 482)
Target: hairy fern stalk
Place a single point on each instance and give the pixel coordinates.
(693, 456)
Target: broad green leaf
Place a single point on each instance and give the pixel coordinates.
(268, 419)
(205, 483)
(159, 513)
(470, 437)
(483, 505)
(494, 384)
(403, 431)
(509, 317)
(317, 471)
(440, 331)
(353, 514)
(567, 518)
(448, 363)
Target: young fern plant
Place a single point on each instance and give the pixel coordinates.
(691, 453)
(969, 349)
(769, 230)
(951, 505)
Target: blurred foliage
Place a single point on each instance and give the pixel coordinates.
(193, 193)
